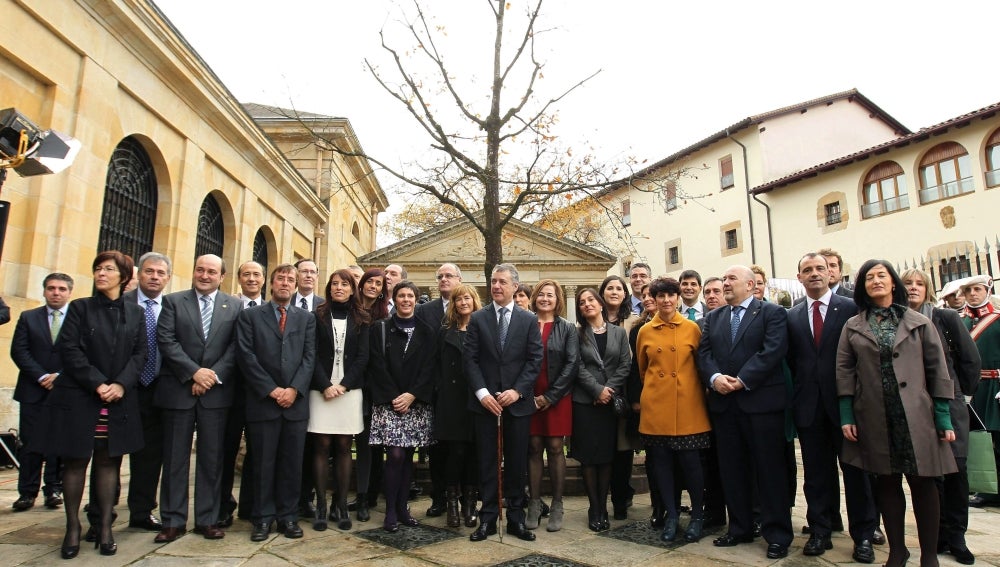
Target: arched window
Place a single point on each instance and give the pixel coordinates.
(260, 249)
(946, 171)
(356, 231)
(884, 190)
(128, 217)
(993, 160)
(211, 228)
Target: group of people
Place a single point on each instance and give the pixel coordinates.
(714, 391)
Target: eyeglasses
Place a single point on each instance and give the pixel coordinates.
(105, 269)
(446, 276)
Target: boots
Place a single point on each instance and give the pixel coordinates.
(555, 516)
(319, 517)
(533, 513)
(451, 506)
(469, 501)
(361, 504)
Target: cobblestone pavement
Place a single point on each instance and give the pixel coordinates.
(33, 538)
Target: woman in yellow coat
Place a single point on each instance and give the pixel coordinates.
(673, 418)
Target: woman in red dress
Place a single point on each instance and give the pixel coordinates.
(553, 421)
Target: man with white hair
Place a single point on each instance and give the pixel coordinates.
(982, 319)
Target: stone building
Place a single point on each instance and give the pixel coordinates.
(170, 161)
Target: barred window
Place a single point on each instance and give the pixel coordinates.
(128, 217)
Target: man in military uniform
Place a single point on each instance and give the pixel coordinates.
(982, 319)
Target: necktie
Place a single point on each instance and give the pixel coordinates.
(148, 373)
(817, 324)
(281, 320)
(691, 314)
(206, 315)
(502, 327)
(252, 303)
(303, 303)
(734, 323)
(56, 323)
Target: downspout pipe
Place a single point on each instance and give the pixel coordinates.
(753, 239)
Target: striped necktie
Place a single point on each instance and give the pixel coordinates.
(206, 315)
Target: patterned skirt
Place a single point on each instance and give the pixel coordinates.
(690, 442)
(412, 429)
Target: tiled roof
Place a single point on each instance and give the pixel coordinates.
(266, 112)
(904, 141)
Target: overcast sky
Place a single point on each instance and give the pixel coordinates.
(671, 73)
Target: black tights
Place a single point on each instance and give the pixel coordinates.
(461, 467)
(341, 445)
(397, 474)
(553, 446)
(104, 477)
(664, 460)
(926, 510)
(597, 480)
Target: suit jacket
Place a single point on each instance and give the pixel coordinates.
(184, 350)
(35, 355)
(814, 370)
(101, 342)
(355, 353)
(516, 367)
(754, 357)
(431, 313)
(270, 359)
(597, 372)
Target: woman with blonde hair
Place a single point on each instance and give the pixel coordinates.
(453, 420)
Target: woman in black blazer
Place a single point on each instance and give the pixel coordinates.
(402, 389)
(335, 399)
(605, 360)
(93, 408)
(452, 418)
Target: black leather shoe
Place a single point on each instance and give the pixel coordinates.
(977, 501)
(291, 529)
(70, 551)
(24, 503)
(520, 531)
(657, 518)
(91, 536)
(409, 522)
(437, 508)
(621, 513)
(261, 531)
(544, 513)
(817, 545)
(150, 523)
(226, 521)
(714, 521)
(108, 548)
(878, 538)
(482, 532)
(863, 552)
(777, 551)
(756, 529)
(53, 501)
(390, 527)
(729, 540)
(962, 555)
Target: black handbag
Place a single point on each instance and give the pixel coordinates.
(621, 405)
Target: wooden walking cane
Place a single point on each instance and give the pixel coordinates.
(500, 474)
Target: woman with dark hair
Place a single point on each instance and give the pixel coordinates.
(674, 416)
(94, 408)
(452, 418)
(522, 296)
(371, 294)
(964, 365)
(618, 312)
(402, 391)
(335, 399)
(604, 364)
(894, 390)
(553, 419)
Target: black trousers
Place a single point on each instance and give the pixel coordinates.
(954, 491)
(277, 447)
(146, 464)
(33, 456)
(516, 431)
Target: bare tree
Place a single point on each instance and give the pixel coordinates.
(496, 156)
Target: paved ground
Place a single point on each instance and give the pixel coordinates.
(33, 538)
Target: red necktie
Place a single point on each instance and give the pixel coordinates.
(281, 321)
(817, 323)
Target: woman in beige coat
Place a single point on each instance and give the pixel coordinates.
(894, 390)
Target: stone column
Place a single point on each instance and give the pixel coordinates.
(570, 291)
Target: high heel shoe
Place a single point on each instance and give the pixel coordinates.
(344, 523)
(605, 523)
(71, 551)
(906, 558)
(594, 520)
(109, 548)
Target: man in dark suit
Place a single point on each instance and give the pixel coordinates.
(145, 465)
(835, 264)
(251, 278)
(432, 313)
(502, 355)
(196, 333)
(276, 352)
(33, 351)
(739, 360)
(305, 294)
(814, 328)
